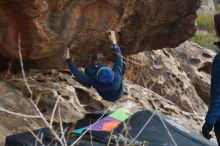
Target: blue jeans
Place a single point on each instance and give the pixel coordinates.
(217, 130)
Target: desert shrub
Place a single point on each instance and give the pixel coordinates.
(205, 34)
(205, 22)
(205, 39)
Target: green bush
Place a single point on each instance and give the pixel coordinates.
(205, 22)
(205, 39)
(205, 34)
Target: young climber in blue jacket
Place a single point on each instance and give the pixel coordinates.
(213, 115)
(107, 81)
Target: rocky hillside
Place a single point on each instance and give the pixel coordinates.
(181, 75)
(208, 6)
(165, 83)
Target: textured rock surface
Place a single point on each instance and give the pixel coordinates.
(13, 100)
(181, 75)
(46, 27)
(207, 6)
(196, 62)
(77, 98)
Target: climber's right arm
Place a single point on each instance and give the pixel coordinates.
(118, 64)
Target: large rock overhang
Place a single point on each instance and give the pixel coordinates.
(47, 27)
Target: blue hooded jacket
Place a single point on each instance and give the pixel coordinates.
(214, 108)
(110, 92)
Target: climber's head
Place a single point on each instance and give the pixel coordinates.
(105, 75)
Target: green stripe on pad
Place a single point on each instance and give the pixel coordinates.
(121, 114)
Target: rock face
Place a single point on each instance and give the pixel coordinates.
(196, 61)
(13, 100)
(47, 27)
(181, 75)
(207, 6)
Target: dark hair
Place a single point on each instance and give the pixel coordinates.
(217, 23)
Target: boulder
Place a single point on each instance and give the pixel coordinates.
(46, 28)
(196, 61)
(165, 74)
(76, 100)
(13, 100)
(207, 6)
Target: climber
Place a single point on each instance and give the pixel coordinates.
(213, 115)
(107, 81)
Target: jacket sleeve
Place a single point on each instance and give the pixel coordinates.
(118, 64)
(77, 73)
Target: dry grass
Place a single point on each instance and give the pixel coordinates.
(205, 34)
